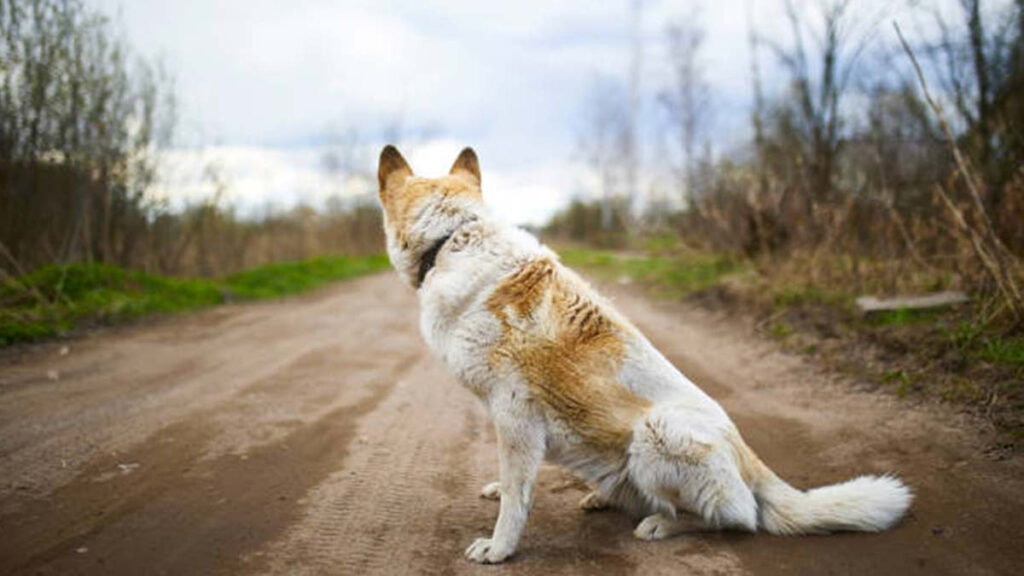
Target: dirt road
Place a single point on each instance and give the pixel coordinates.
(317, 436)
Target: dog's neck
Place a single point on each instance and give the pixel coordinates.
(429, 257)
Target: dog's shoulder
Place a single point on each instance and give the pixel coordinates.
(568, 346)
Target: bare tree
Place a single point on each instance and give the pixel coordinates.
(819, 86)
(604, 141)
(686, 100)
(757, 114)
(632, 141)
(80, 122)
(342, 158)
(980, 67)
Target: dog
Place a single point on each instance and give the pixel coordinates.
(565, 377)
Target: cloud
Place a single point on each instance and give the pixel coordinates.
(256, 178)
(261, 80)
(252, 177)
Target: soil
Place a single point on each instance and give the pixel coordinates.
(317, 435)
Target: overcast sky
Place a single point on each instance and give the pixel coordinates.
(262, 82)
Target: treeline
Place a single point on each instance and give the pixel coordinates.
(853, 175)
(82, 123)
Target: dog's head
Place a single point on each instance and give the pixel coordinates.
(421, 212)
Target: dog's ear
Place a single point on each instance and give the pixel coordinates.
(467, 165)
(392, 171)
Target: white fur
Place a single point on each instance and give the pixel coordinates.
(491, 491)
(865, 504)
(682, 469)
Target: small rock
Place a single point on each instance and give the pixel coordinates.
(937, 530)
(82, 550)
(126, 468)
(53, 375)
(64, 350)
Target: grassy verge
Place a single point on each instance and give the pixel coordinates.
(56, 299)
(950, 355)
(669, 274)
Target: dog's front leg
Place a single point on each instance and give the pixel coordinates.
(520, 452)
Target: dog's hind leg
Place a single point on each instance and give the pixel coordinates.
(681, 461)
(661, 525)
(619, 493)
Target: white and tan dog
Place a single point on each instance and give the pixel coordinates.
(565, 377)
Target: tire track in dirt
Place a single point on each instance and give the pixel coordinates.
(110, 516)
(194, 494)
(377, 513)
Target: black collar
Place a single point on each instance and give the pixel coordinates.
(428, 259)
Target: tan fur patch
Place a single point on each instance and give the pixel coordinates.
(404, 203)
(693, 453)
(752, 469)
(568, 351)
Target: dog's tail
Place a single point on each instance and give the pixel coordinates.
(864, 504)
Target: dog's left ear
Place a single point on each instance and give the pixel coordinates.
(467, 165)
(392, 171)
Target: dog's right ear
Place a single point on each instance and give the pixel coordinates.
(467, 165)
(392, 171)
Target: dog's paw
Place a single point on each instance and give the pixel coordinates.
(592, 502)
(656, 527)
(487, 551)
(491, 491)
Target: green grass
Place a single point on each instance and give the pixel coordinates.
(57, 298)
(1003, 350)
(275, 280)
(780, 330)
(903, 381)
(661, 244)
(970, 338)
(674, 274)
(905, 317)
(788, 296)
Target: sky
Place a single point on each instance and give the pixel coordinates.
(262, 84)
